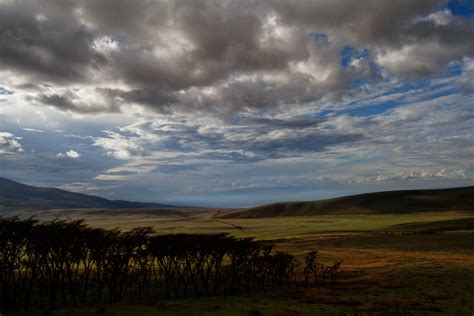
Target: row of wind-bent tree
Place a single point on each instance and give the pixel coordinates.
(67, 263)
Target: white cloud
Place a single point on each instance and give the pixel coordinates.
(79, 187)
(442, 174)
(69, 154)
(443, 17)
(109, 177)
(32, 130)
(119, 146)
(466, 80)
(86, 187)
(9, 143)
(413, 60)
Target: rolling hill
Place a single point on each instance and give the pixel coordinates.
(404, 201)
(15, 196)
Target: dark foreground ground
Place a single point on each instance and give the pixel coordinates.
(412, 264)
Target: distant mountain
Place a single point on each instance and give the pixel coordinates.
(380, 202)
(16, 196)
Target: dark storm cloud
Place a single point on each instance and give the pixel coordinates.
(273, 123)
(70, 102)
(154, 98)
(360, 22)
(203, 43)
(53, 47)
(219, 56)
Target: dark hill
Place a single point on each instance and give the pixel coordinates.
(17, 196)
(380, 202)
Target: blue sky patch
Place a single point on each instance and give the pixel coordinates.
(5, 91)
(463, 8)
(348, 53)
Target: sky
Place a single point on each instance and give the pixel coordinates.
(237, 103)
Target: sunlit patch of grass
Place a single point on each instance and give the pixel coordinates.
(269, 228)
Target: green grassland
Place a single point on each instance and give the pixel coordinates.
(210, 221)
(419, 263)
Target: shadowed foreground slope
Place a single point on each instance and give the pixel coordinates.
(380, 202)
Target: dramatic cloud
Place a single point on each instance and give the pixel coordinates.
(237, 102)
(218, 56)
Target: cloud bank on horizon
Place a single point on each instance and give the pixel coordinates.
(237, 102)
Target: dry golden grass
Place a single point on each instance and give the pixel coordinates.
(386, 270)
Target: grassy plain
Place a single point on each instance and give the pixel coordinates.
(394, 264)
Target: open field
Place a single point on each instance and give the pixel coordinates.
(394, 264)
(166, 221)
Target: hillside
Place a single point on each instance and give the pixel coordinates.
(380, 202)
(17, 196)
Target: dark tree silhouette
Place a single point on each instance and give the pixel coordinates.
(67, 263)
